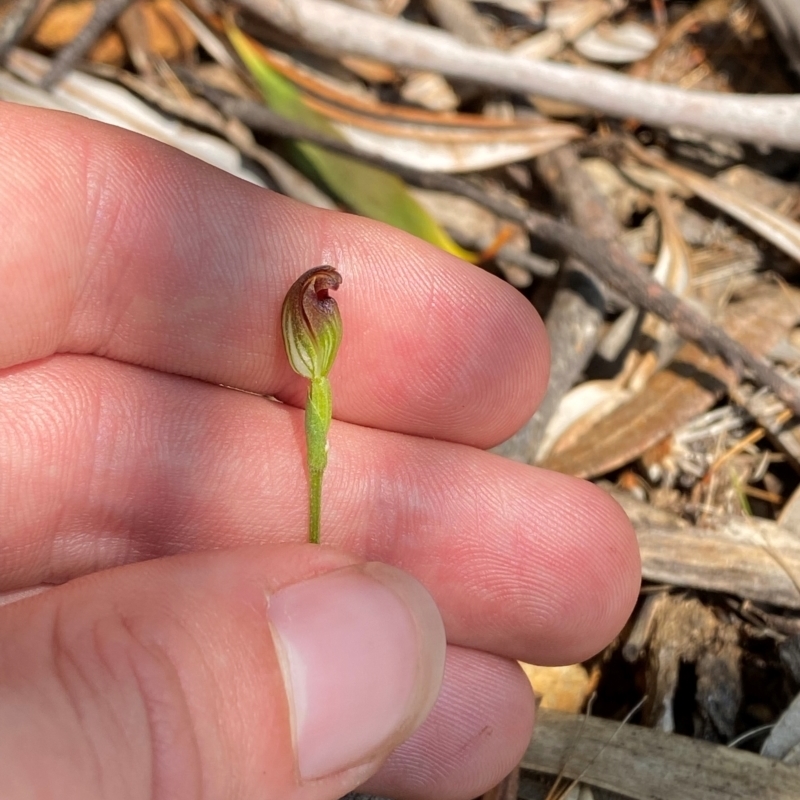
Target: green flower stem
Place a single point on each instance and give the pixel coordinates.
(312, 332)
(318, 421)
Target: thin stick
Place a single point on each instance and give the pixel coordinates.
(340, 28)
(105, 13)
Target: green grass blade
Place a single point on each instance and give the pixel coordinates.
(365, 189)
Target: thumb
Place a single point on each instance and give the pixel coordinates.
(282, 671)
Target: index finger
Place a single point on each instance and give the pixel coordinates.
(125, 248)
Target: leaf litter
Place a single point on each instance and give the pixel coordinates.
(701, 453)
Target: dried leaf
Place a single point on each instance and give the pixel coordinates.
(369, 70)
(579, 411)
(776, 228)
(561, 688)
(783, 741)
(777, 194)
(565, 22)
(455, 156)
(102, 100)
(438, 142)
(617, 44)
(430, 90)
(64, 21)
(692, 383)
(673, 270)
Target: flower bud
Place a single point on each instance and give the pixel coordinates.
(312, 327)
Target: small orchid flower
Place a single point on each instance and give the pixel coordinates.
(312, 331)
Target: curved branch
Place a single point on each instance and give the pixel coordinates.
(763, 119)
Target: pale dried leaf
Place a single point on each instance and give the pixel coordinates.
(102, 100)
(576, 16)
(562, 688)
(540, 46)
(579, 411)
(429, 90)
(673, 270)
(565, 22)
(617, 44)
(783, 741)
(673, 267)
(369, 70)
(619, 334)
(690, 385)
(776, 228)
(778, 195)
(454, 156)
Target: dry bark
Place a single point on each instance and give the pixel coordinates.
(647, 764)
(748, 557)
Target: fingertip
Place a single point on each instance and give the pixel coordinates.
(462, 355)
(596, 571)
(475, 735)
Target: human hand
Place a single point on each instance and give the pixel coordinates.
(137, 284)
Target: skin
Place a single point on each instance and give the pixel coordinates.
(141, 289)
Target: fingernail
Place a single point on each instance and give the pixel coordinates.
(362, 653)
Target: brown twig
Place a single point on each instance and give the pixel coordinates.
(609, 261)
(105, 13)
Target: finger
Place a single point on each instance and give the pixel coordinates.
(288, 672)
(475, 735)
(106, 463)
(151, 257)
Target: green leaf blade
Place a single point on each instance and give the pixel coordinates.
(365, 189)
